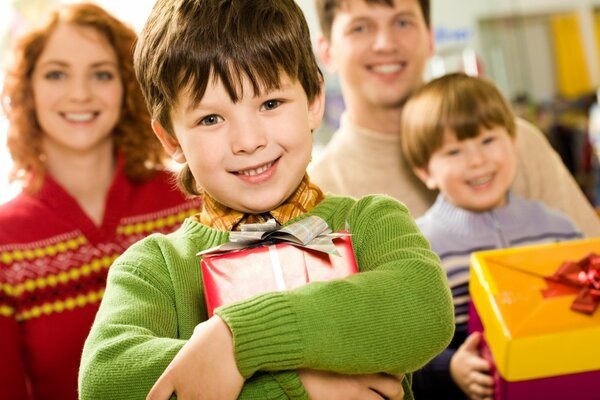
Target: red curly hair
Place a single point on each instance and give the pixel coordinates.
(133, 136)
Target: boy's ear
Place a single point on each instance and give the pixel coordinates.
(426, 177)
(169, 143)
(324, 51)
(316, 109)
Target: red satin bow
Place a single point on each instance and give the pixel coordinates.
(582, 277)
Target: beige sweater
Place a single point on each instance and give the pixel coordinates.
(358, 161)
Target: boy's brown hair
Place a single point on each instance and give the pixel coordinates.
(187, 43)
(132, 135)
(326, 10)
(457, 103)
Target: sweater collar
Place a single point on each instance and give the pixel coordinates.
(66, 207)
(464, 222)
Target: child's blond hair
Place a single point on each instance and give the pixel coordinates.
(457, 103)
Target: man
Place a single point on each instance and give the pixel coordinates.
(379, 49)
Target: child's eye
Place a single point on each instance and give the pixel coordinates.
(488, 140)
(453, 152)
(358, 28)
(54, 75)
(270, 105)
(104, 75)
(210, 120)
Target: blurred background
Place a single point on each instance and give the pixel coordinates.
(544, 55)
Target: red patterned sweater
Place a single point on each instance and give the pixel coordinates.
(53, 266)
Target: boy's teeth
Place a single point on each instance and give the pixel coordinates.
(387, 68)
(481, 181)
(259, 170)
(84, 117)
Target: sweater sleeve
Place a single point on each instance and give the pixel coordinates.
(543, 176)
(137, 334)
(393, 317)
(12, 364)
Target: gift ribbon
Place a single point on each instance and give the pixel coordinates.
(582, 276)
(311, 233)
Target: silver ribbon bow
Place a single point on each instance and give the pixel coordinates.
(311, 233)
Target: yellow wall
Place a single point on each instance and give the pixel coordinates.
(572, 73)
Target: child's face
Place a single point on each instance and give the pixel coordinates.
(250, 155)
(474, 174)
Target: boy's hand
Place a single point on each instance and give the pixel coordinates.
(470, 371)
(323, 385)
(204, 368)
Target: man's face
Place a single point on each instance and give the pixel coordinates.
(379, 52)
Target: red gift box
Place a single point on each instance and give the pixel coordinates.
(241, 274)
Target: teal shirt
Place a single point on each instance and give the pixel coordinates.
(393, 317)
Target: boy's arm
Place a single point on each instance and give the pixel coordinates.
(393, 317)
(131, 342)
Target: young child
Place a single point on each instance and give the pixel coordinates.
(234, 92)
(466, 150)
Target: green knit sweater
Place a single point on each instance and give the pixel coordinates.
(393, 317)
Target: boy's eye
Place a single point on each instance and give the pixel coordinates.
(54, 75)
(453, 152)
(271, 105)
(210, 120)
(104, 75)
(488, 140)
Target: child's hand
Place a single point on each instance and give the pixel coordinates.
(204, 368)
(322, 385)
(470, 371)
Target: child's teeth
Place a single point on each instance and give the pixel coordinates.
(257, 171)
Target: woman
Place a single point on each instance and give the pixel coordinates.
(94, 182)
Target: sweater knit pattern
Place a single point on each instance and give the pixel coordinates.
(393, 316)
(454, 234)
(54, 263)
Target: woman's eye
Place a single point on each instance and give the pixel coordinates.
(488, 140)
(271, 104)
(453, 152)
(210, 120)
(54, 75)
(104, 75)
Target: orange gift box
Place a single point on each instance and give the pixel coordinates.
(536, 341)
(241, 274)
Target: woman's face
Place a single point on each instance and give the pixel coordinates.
(77, 90)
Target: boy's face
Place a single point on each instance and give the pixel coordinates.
(474, 174)
(379, 52)
(250, 155)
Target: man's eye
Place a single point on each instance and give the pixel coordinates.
(210, 120)
(271, 104)
(54, 75)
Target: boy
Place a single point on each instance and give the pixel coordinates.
(379, 49)
(234, 98)
(465, 147)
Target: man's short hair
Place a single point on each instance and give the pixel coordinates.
(326, 10)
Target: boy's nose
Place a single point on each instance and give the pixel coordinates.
(474, 155)
(248, 138)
